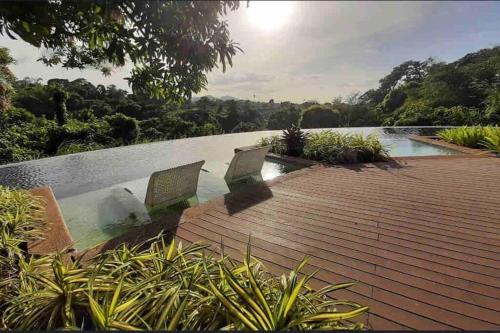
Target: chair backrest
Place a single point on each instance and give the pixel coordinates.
(170, 186)
(246, 162)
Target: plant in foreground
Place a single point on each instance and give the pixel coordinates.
(156, 285)
(168, 287)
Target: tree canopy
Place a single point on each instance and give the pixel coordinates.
(171, 44)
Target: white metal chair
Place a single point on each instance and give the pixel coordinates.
(173, 185)
(246, 162)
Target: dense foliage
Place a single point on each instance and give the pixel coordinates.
(464, 92)
(61, 116)
(157, 285)
(327, 146)
(20, 221)
(334, 147)
(171, 44)
(485, 137)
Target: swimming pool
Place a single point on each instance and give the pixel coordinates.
(87, 185)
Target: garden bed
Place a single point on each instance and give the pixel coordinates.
(327, 146)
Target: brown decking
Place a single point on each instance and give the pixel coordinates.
(422, 237)
(56, 236)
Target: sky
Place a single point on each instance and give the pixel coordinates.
(297, 51)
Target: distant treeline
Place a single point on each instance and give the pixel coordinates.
(62, 116)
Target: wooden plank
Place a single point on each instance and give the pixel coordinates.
(56, 236)
(422, 238)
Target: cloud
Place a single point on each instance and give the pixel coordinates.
(240, 78)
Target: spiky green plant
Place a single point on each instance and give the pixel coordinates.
(256, 300)
(294, 139)
(169, 287)
(21, 218)
(156, 285)
(491, 141)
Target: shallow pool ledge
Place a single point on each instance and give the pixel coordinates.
(56, 236)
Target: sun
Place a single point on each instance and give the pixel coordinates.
(269, 15)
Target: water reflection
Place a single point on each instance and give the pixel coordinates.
(97, 216)
(84, 172)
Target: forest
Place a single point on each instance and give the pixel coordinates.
(40, 119)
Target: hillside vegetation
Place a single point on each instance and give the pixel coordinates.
(60, 116)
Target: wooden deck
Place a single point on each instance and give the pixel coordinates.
(422, 236)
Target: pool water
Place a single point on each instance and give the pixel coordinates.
(90, 186)
(96, 216)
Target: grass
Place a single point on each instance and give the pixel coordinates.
(159, 285)
(485, 137)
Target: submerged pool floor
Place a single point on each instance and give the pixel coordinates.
(97, 216)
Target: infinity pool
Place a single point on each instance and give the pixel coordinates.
(89, 186)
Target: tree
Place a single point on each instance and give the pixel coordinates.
(409, 71)
(59, 96)
(6, 78)
(123, 127)
(318, 116)
(284, 118)
(232, 118)
(172, 44)
(493, 107)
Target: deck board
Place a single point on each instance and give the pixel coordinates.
(421, 237)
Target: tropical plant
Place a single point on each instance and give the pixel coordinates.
(170, 44)
(256, 300)
(276, 143)
(294, 139)
(20, 221)
(472, 137)
(492, 142)
(156, 285)
(335, 147)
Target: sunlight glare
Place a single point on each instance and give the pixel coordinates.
(269, 15)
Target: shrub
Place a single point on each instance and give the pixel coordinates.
(334, 147)
(20, 221)
(123, 128)
(160, 286)
(16, 116)
(492, 142)
(294, 139)
(72, 147)
(284, 117)
(73, 130)
(85, 115)
(276, 143)
(317, 116)
(471, 137)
